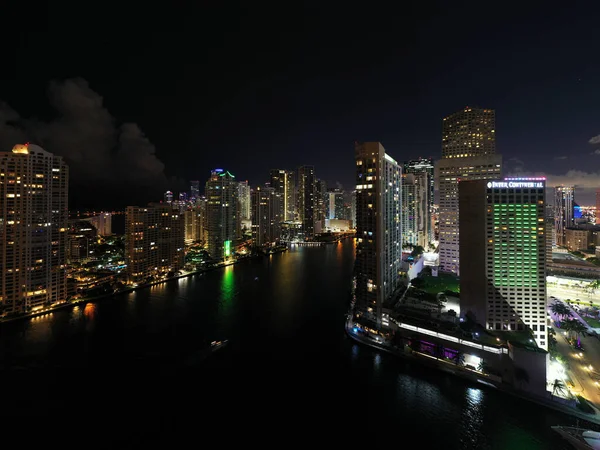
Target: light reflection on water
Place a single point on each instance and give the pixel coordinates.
(288, 322)
(377, 361)
(355, 352)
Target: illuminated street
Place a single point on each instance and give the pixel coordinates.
(579, 366)
(573, 294)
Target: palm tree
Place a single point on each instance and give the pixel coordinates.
(592, 286)
(575, 326)
(558, 386)
(552, 339)
(481, 366)
(560, 310)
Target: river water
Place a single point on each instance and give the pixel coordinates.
(288, 357)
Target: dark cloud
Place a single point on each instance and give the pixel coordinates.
(560, 157)
(10, 129)
(595, 140)
(100, 152)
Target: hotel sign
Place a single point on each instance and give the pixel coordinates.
(515, 184)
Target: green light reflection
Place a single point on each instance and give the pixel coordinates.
(227, 286)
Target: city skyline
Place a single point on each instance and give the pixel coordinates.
(303, 97)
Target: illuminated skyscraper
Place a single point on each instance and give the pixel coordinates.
(503, 275)
(416, 217)
(598, 207)
(283, 181)
(168, 197)
(563, 211)
(378, 231)
(194, 190)
(291, 200)
(335, 204)
(194, 224)
(222, 224)
(266, 215)
(307, 200)
(82, 234)
(353, 208)
(244, 200)
(102, 222)
(424, 168)
(469, 132)
(321, 198)
(154, 241)
(468, 153)
(34, 225)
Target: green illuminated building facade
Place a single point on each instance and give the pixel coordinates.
(503, 267)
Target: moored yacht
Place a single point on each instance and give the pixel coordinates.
(580, 438)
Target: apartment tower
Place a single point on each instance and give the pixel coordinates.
(307, 200)
(425, 168)
(34, 218)
(378, 230)
(154, 241)
(222, 215)
(564, 202)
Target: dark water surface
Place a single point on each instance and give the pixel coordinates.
(288, 358)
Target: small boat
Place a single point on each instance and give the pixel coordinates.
(204, 353)
(580, 438)
(216, 345)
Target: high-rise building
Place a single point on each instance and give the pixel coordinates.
(222, 223)
(468, 153)
(321, 198)
(102, 222)
(154, 241)
(168, 197)
(335, 205)
(194, 226)
(82, 235)
(469, 132)
(353, 208)
(278, 181)
(284, 183)
(550, 235)
(201, 207)
(598, 207)
(291, 200)
(378, 230)
(244, 200)
(34, 225)
(194, 190)
(416, 217)
(503, 276)
(425, 167)
(266, 215)
(307, 200)
(564, 200)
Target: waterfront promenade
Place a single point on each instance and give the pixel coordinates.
(467, 374)
(130, 288)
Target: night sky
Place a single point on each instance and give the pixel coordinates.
(144, 100)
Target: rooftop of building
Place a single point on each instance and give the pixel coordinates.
(468, 330)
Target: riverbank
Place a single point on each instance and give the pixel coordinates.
(468, 375)
(80, 301)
